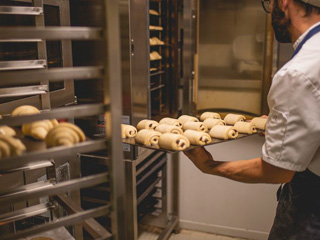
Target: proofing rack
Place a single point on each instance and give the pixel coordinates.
(163, 69)
(20, 198)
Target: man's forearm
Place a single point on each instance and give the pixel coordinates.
(248, 171)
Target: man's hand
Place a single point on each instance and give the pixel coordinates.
(201, 158)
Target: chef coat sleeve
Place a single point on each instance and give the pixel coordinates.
(293, 127)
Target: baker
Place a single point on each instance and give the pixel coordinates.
(291, 152)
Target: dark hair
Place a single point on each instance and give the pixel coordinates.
(308, 8)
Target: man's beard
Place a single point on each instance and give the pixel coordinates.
(280, 25)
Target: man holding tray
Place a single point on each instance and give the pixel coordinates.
(291, 153)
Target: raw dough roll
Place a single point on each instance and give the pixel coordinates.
(147, 124)
(166, 128)
(128, 131)
(148, 137)
(197, 138)
(245, 127)
(185, 118)
(210, 122)
(8, 131)
(65, 134)
(223, 132)
(197, 126)
(260, 122)
(175, 142)
(231, 119)
(171, 121)
(11, 146)
(206, 115)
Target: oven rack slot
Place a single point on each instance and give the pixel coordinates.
(25, 213)
(20, 65)
(50, 188)
(52, 33)
(52, 75)
(20, 161)
(64, 221)
(23, 91)
(63, 112)
(15, 10)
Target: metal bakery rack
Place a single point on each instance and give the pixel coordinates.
(47, 47)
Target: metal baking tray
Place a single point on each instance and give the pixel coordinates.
(131, 141)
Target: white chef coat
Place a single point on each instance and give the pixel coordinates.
(293, 127)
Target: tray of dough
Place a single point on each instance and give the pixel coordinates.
(131, 141)
(188, 132)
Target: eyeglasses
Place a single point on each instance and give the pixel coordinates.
(266, 5)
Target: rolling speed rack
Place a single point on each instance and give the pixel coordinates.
(51, 199)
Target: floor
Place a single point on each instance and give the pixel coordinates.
(187, 235)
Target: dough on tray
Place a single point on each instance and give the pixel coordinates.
(171, 121)
(7, 131)
(231, 119)
(64, 134)
(148, 137)
(10, 146)
(186, 118)
(245, 127)
(260, 122)
(223, 132)
(197, 126)
(197, 138)
(147, 124)
(206, 115)
(128, 131)
(175, 142)
(166, 128)
(211, 122)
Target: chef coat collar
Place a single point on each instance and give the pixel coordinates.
(299, 40)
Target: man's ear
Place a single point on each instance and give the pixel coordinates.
(283, 5)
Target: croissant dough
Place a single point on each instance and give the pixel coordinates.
(155, 41)
(159, 28)
(211, 122)
(231, 119)
(128, 131)
(260, 122)
(185, 118)
(148, 137)
(174, 142)
(206, 115)
(38, 129)
(223, 132)
(24, 110)
(197, 138)
(155, 56)
(197, 126)
(245, 127)
(171, 121)
(65, 134)
(166, 128)
(147, 124)
(10, 146)
(8, 131)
